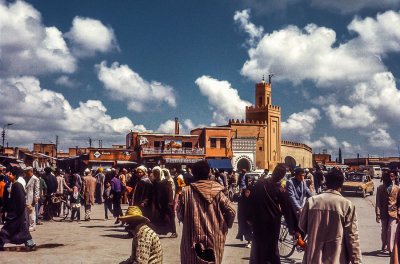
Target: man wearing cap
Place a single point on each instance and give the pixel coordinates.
(269, 201)
(32, 197)
(242, 180)
(146, 246)
(88, 189)
(100, 179)
(298, 190)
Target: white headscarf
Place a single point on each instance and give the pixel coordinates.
(167, 176)
(157, 168)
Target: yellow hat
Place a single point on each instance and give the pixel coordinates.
(133, 213)
(100, 169)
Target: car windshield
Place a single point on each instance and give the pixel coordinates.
(355, 177)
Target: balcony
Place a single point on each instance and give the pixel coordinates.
(182, 151)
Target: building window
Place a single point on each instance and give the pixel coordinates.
(187, 144)
(260, 148)
(222, 143)
(260, 101)
(213, 142)
(157, 144)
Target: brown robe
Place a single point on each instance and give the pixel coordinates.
(88, 189)
(206, 214)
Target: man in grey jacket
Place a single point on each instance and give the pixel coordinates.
(32, 190)
(330, 222)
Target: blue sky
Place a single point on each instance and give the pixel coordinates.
(81, 69)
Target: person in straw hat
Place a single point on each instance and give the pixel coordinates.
(146, 246)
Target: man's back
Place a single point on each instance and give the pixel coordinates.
(330, 222)
(206, 214)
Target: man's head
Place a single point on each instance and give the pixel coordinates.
(392, 177)
(266, 171)
(299, 174)
(386, 178)
(278, 173)
(334, 179)
(11, 177)
(28, 172)
(201, 170)
(87, 171)
(47, 170)
(247, 192)
(108, 184)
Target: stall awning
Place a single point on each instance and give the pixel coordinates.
(220, 164)
(168, 160)
(126, 162)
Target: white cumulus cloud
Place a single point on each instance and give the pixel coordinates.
(380, 138)
(88, 36)
(255, 33)
(66, 81)
(184, 127)
(124, 84)
(299, 126)
(223, 99)
(350, 6)
(27, 47)
(40, 113)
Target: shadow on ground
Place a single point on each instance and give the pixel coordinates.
(376, 253)
(120, 236)
(27, 249)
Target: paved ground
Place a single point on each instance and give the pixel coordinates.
(99, 241)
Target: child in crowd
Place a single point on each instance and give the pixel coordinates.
(108, 200)
(76, 204)
(245, 229)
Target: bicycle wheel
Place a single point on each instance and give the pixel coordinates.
(285, 243)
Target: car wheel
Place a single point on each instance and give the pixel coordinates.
(364, 194)
(372, 192)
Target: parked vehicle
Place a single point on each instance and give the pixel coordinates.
(359, 183)
(374, 171)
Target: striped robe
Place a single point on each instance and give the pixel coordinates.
(206, 214)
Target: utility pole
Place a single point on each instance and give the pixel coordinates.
(100, 143)
(56, 146)
(90, 142)
(3, 133)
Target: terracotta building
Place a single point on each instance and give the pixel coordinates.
(263, 125)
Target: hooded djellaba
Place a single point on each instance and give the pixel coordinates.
(206, 214)
(163, 202)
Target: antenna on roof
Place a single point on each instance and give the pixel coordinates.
(270, 77)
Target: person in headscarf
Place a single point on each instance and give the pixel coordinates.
(15, 230)
(269, 201)
(163, 204)
(143, 194)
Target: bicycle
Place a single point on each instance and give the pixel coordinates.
(62, 203)
(287, 244)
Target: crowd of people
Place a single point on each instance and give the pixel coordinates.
(199, 199)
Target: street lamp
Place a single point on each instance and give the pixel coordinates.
(3, 134)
